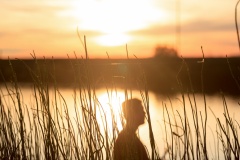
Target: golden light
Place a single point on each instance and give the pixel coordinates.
(113, 39)
(111, 106)
(114, 19)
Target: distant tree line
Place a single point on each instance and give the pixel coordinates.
(165, 52)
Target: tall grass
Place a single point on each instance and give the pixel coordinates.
(47, 129)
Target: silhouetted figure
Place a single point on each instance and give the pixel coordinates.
(128, 146)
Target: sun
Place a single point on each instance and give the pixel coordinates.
(113, 39)
(115, 19)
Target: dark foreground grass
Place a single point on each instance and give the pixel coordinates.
(45, 128)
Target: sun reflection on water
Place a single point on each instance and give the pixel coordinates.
(111, 105)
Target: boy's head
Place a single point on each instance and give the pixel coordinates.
(133, 111)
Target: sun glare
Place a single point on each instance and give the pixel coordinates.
(113, 39)
(114, 19)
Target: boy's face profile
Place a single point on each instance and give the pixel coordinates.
(139, 115)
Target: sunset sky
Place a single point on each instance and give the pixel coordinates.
(49, 27)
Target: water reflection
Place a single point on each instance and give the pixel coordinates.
(170, 110)
(163, 110)
(111, 104)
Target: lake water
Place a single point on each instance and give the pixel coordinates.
(159, 105)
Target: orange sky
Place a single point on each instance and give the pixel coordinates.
(50, 27)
